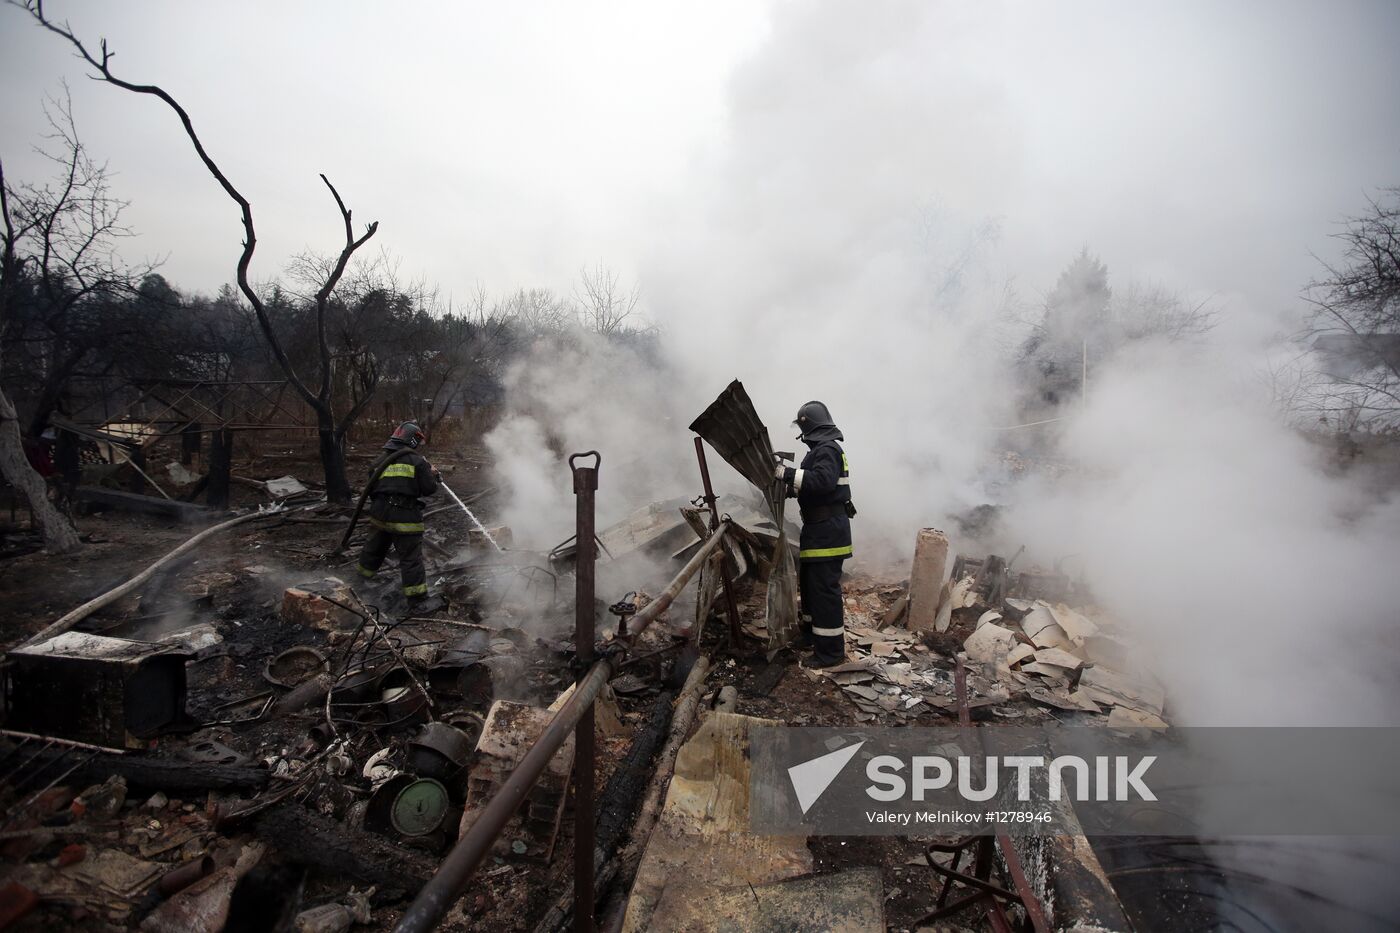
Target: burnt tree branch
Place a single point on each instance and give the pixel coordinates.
(332, 454)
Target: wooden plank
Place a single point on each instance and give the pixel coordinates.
(701, 842)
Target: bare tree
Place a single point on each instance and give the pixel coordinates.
(1147, 310)
(603, 305)
(59, 537)
(330, 428)
(78, 292)
(537, 311)
(1355, 326)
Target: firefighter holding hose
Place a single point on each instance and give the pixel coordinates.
(822, 486)
(398, 483)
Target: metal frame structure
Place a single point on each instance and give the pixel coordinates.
(984, 892)
(250, 404)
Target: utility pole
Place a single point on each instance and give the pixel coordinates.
(1084, 373)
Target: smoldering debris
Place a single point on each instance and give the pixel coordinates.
(305, 709)
(1026, 656)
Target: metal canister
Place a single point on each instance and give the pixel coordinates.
(439, 750)
(420, 807)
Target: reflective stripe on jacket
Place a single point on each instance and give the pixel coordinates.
(822, 485)
(396, 492)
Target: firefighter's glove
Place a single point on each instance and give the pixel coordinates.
(780, 471)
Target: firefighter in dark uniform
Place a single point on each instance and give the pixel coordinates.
(822, 486)
(400, 480)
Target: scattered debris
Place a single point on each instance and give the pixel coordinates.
(991, 644)
(319, 604)
(510, 730)
(102, 801)
(701, 842)
(285, 487)
(732, 427)
(956, 594)
(1054, 655)
(336, 918)
(358, 745)
(851, 901)
(295, 666)
(94, 688)
(1042, 628)
(1110, 687)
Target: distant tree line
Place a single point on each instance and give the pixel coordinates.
(78, 323)
(334, 338)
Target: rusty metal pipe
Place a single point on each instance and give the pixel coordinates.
(471, 850)
(585, 485)
(730, 604)
(178, 879)
(648, 613)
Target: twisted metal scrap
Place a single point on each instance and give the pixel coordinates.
(732, 427)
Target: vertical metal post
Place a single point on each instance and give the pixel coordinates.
(220, 467)
(960, 689)
(730, 605)
(137, 456)
(586, 554)
(191, 443)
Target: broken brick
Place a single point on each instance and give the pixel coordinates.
(15, 901)
(71, 854)
(306, 604)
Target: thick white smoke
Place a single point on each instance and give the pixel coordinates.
(577, 392)
(1259, 585)
(842, 244)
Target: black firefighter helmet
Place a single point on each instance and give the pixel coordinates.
(814, 421)
(408, 435)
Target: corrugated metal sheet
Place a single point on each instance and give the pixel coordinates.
(732, 427)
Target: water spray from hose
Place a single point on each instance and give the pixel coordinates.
(475, 521)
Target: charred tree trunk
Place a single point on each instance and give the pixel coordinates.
(68, 458)
(51, 394)
(333, 462)
(59, 536)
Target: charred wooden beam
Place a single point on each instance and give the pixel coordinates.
(140, 504)
(322, 844)
(617, 806)
(163, 774)
(624, 788)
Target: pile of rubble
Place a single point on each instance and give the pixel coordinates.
(355, 750)
(902, 642)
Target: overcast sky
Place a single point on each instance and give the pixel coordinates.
(1207, 145)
